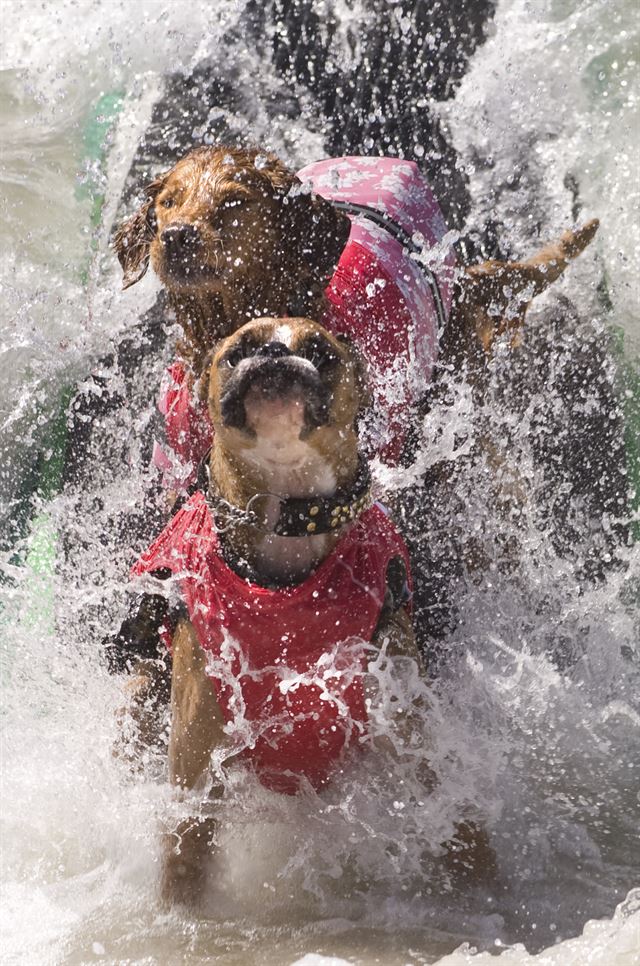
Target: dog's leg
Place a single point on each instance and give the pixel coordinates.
(138, 654)
(146, 690)
(468, 853)
(394, 636)
(395, 630)
(196, 729)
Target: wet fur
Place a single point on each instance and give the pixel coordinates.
(491, 300)
(265, 246)
(196, 726)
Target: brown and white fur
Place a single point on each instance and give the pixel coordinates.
(273, 449)
(295, 437)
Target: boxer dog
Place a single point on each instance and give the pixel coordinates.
(291, 579)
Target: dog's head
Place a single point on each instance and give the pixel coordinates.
(226, 217)
(285, 380)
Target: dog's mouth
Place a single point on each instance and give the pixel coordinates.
(191, 273)
(282, 395)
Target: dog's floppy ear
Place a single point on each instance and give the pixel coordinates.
(202, 385)
(318, 231)
(315, 231)
(133, 238)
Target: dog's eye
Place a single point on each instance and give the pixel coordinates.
(167, 203)
(234, 356)
(319, 353)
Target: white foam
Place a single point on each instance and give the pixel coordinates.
(553, 94)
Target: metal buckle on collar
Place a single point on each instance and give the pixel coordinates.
(258, 496)
(222, 508)
(234, 514)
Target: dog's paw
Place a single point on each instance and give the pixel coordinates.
(184, 871)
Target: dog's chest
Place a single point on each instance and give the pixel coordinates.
(289, 558)
(293, 469)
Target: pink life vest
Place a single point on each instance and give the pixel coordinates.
(388, 303)
(391, 305)
(287, 665)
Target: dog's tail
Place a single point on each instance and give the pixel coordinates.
(542, 269)
(493, 297)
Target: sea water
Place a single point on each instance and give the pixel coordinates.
(546, 756)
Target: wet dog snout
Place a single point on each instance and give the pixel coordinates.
(273, 350)
(180, 240)
(273, 380)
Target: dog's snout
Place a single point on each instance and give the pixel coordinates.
(273, 350)
(274, 379)
(180, 239)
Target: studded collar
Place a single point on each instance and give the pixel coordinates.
(298, 517)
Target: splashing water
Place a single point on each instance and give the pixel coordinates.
(533, 723)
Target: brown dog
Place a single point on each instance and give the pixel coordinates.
(232, 236)
(289, 492)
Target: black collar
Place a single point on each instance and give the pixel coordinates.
(299, 517)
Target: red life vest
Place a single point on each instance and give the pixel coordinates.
(187, 426)
(287, 665)
(391, 305)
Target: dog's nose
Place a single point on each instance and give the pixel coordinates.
(180, 239)
(273, 350)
